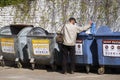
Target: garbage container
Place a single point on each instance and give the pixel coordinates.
(83, 52)
(41, 47)
(83, 48)
(108, 43)
(12, 42)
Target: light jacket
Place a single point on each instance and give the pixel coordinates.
(70, 33)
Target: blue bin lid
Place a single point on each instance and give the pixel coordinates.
(92, 30)
(83, 34)
(106, 31)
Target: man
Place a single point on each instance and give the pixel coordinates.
(70, 31)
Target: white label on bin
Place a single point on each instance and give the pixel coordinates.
(7, 45)
(40, 47)
(78, 47)
(111, 48)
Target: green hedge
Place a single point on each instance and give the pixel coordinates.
(4, 3)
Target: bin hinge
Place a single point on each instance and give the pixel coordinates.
(32, 60)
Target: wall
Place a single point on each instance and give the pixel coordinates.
(51, 14)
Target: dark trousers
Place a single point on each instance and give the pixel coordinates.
(68, 50)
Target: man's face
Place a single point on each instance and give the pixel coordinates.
(72, 21)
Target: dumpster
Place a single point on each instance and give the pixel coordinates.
(83, 52)
(41, 45)
(108, 44)
(83, 47)
(12, 42)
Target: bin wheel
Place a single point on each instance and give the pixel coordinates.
(33, 66)
(54, 67)
(19, 65)
(101, 70)
(2, 63)
(87, 69)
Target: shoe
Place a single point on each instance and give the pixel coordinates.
(71, 72)
(64, 72)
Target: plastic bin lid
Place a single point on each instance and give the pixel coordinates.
(90, 31)
(5, 30)
(38, 31)
(13, 29)
(82, 34)
(106, 31)
(103, 29)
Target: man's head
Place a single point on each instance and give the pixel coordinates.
(72, 20)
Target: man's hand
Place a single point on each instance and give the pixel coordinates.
(90, 22)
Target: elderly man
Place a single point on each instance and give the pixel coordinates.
(70, 31)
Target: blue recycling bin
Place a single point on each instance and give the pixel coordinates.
(108, 44)
(83, 48)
